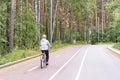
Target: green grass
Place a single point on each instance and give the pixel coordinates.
(105, 43)
(58, 44)
(80, 42)
(117, 46)
(18, 54)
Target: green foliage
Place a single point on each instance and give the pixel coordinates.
(111, 34)
(113, 8)
(94, 36)
(4, 15)
(2, 48)
(57, 44)
(117, 46)
(25, 30)
(25, 27)
(76, 35)
(18, 54)
(113, 5)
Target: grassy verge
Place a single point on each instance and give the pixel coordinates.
(58, 44)
(18, 54)
(117, 46)
(103, 43)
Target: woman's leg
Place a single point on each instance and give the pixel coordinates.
(47, 55)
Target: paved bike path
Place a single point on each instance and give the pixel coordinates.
(30, 70)
(89, 62)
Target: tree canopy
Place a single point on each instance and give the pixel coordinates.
(23, 22)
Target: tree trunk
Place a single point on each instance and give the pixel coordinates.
(42, 12)
(12, 25)
(103, 16)
(27, 5)
(37, 15)
(47, 28)
(60, 29)
(71, 28)
(32, 5)
(20, 27)
(55, 13)
(96, 16)
(109, 20)
(46, 18)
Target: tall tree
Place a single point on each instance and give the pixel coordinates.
(96, 16)
(103, 16)
(12, 25)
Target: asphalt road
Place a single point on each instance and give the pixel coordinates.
(87, 62)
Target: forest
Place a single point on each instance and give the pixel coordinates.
(23, 22)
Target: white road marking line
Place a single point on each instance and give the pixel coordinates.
(33, 68)
(64, 65)
(80, 69)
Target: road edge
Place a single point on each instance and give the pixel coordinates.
(18, 61)
(21, 60)
(114, 50)
(25, 59)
